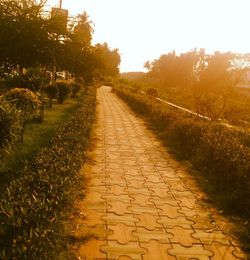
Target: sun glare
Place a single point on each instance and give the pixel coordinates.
(144, 29)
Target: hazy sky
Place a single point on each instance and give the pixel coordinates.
(144, 29)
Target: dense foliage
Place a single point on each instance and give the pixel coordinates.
(34, 204)
(76, 87)
(52, 93)
(30, 38)
(221, 154)
(32, 79)
(205, 83)
(64, 90)
(26, 101)
(10, 127)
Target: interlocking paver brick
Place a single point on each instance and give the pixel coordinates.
(134, 178)
(136, 184)
(169, 211)
(115, 175)
(122, 198)
(159, 234)
(187, 202)
(147, 168)
(116, 190)
(100, 189)
(124, 258)
(189, 212)
(184, 194)
(144, 191)
(130, 162)
(154, 178)
(97, 169)
(112, 218)
(141, 199)
(94, 197)
(111, 182)
(118, 207)
(168, 199)
(220, 251)
(154, 186)
(96, 182)
(137, 209)
(176, 185)
(114, 165)
(82, 231)
(91, 250)
(210, 237)
(93, 218)
(132, 172)
(171, 222)
(115, 250)
(238, 253)
(148, 221)
(160, 192)
(183, 236)
(157, 251)
(122, 233)
(194, 252)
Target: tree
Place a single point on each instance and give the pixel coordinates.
(82, 30)
(108, 59)
(77, 54)
(27, 36)
(215, 85)
(171, 70)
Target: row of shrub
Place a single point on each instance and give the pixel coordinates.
(219, 153)
(34, 205)
(61, 90)
(18, 106)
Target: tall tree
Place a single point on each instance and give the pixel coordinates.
(108, 60)
(25, 34)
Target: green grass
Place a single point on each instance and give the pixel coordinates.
(37, 136)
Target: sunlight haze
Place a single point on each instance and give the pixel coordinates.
(144, 29)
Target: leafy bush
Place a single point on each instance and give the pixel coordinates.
(25, 100)
(10, 127)
(34, 205)
(152, 92)
(76, 87)
(184, 135)
(32, 79)
(52, 93)
(64, 90)
(79, 80)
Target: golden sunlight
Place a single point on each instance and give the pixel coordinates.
(143, 30)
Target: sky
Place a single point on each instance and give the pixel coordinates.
(145, 29)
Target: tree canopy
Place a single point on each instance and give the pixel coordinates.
(30, 37)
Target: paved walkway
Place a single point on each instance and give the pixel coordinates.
(140, 203)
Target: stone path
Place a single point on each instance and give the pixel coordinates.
(140, 203)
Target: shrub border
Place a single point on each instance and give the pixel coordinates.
(34, 205)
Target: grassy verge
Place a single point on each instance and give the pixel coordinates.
(221, 156)
(36, 203)
(37, 136)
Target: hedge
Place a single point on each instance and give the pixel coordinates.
(33, 206)
(10, 127)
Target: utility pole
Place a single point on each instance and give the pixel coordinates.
(60, 5)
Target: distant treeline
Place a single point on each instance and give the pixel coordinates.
(206, 83)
